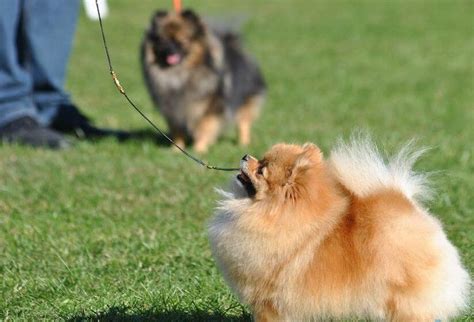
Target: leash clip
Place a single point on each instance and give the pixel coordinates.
(117, 82)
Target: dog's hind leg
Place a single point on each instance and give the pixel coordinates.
(266, 312)
(246, 114)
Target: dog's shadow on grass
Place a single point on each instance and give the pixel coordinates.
(155, 137)
(123, 315)
(144, 135)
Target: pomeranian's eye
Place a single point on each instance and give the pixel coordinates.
(260, 169)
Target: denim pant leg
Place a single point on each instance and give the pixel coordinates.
(15, 81)
(49, 27)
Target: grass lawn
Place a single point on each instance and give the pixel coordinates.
(114, 230)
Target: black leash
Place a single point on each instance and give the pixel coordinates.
(122, 91)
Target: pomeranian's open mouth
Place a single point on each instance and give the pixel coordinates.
(246, 183)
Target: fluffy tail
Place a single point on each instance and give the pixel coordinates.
(361, 168)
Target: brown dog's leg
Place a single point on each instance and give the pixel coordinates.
(398, 311)
(246, 114)
(410, 318)
(206, 132)
(266, 313)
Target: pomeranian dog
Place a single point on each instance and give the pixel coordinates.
(200, 79)
(303, 238)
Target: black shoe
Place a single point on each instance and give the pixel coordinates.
(27, 131)
(70, 120)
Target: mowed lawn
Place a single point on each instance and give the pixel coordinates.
(117, 230)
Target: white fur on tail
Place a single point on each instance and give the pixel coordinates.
(361, 168)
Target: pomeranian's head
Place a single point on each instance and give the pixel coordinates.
(172, 36)
(288, 188)
(285, 172)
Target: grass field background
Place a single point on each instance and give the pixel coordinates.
(112, 230)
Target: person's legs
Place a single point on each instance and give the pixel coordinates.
(19, 118)
(15, 81)
(49, 31)
(49, 27)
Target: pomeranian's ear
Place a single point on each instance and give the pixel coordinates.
(194, 19)
(310, 156)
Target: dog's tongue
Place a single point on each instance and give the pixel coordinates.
(173, 59)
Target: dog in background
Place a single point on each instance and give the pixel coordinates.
(302, 238)
(200, 79)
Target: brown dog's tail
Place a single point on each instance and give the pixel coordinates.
(361, 169)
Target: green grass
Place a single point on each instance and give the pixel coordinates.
(113, 230)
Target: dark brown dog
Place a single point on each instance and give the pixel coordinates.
(200, 79)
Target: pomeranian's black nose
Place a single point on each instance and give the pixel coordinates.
(246, 157)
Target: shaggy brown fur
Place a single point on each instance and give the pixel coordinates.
(200, 79)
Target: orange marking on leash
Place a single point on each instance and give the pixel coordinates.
(177, 5)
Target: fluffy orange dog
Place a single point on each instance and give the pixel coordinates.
(301, 238)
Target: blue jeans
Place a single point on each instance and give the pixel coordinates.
(35, 42)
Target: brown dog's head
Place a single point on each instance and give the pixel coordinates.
(172, 36)
(283, 173)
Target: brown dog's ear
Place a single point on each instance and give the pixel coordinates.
(310, 156)
(190, 16)
(308, 159)
(308, 146)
